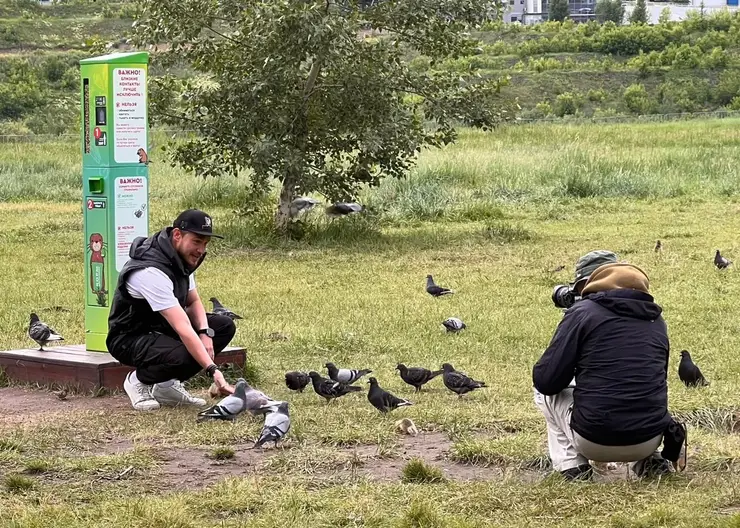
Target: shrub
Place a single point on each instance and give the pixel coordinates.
(567, 103)
(637, 100)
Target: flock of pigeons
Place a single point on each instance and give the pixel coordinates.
(341, 380)
(303, 204)
(339, 383)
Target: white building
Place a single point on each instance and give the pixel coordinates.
(533, 11)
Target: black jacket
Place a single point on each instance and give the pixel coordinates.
(131, 317)
(615, 342)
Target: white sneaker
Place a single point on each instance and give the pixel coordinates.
(175, 395)
(140, 395)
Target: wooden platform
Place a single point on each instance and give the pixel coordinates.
(74, 366)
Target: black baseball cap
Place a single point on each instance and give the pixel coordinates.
(195, 221)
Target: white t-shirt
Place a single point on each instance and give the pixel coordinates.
(154, 286)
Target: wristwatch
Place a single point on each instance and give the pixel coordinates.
(207, 331)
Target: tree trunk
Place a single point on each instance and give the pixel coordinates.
(287, 195)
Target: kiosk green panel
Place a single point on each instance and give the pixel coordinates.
(115, 176)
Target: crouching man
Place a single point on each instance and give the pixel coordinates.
(157, 322)
(602, 382)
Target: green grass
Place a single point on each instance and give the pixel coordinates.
(517, 203)
(416, 471)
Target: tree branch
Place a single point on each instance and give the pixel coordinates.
(209, 28)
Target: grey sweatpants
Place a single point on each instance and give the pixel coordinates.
(568, 449)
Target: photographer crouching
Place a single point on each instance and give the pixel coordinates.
(602, 382)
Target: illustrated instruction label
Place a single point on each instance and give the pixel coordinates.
(131, 216)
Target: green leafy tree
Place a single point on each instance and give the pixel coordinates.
(609, 10)
(558, 10)
(639, 14)
(294, 90)
(665, 15)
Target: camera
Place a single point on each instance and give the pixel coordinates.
(564, 296)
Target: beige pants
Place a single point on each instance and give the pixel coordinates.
(568, 449)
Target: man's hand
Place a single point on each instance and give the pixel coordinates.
(208, 343)
(221, 383)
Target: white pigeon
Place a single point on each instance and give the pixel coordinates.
(277, 424)
(229, 407)
(41, 332)
(453, 324)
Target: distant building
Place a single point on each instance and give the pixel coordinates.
(534, 11)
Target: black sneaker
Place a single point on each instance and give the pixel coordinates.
(582, 472)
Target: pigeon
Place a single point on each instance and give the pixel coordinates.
(330, 389)
(41, 332)
(436, 291)
(296, 381)
(407, 426)
(277, 424)
(62, 394)
(416, 376)
(383, 400)
(689, 372)
(720, 261)
(345, 375)
(301, 205)
(658, 246)
(220, 309)
(344, 208)
(256, 400)
(453, 324)
(229, 407)
(458, 382)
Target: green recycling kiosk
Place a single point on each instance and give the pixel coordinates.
(115, 177)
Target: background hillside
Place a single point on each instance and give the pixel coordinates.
(555, 69)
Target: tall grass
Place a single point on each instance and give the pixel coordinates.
(470, 180)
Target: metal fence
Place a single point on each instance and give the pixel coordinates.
(648, 118)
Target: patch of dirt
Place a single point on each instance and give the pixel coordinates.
(184, 468)
(193, 468)
(188, 468)
(28, 406)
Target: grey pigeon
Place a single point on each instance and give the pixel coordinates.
(453, 324)
(330, 389)
(277, 424)
(220, 309)
(689, 372)
(345, 375)
(458, 382)
(296, 381)
(720, 261)
(301, 205)
(343, 208)
(229, 407)
(436, 291)
(416, 376)
(41, 332)
(383, 400)
(256, 400)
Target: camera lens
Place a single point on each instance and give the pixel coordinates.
(563, 296)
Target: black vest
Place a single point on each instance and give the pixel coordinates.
(134, 317)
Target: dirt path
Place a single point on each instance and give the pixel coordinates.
(193, 467)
